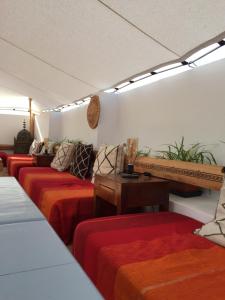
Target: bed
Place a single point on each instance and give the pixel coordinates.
(150, 256)
(64, 199)
(14, 165)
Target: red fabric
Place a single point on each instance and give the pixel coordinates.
(14, 165)
(102, 246)
(65, 205)
(64, 199)
(49, 183)
(38, 170)
(3, 156)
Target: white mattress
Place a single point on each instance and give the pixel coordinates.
(199, 208)
(34, 263)
(15, 205)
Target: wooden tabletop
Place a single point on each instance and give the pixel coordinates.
(141, 178)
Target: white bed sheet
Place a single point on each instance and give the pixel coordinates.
(200, 208)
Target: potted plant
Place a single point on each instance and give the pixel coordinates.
(196, 153)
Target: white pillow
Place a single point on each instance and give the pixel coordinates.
(215, 230)
(63, 157)
(109, 160)
(35, 147)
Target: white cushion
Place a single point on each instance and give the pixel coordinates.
(215, 230)
(109, 160)
(63, 157)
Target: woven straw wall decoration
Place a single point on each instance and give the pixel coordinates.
(93, 112)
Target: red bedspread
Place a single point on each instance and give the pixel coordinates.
(64, 199)
(150, 256)
(15, 164)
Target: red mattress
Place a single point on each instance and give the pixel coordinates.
(64, 199)
(152, 256)
(14, 165)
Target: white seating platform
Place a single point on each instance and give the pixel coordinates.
(200, 208)
(15, 205)
(34, 263)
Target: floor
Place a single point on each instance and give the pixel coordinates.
(3, 172)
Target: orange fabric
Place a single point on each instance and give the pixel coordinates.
(32, 177)
(14, 166)
(63, 198)
(64, 208)
(152, 256)
(51, 197)
(189, 274)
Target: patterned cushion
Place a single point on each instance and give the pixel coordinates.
(82, 158)
(35, 147)
(109, 160)
(63, 157)
(215, 230)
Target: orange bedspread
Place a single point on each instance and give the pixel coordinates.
(29, 176)
(151, 257)
(15, 164)
(64, 199)
(64, 207)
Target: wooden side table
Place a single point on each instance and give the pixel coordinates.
(43, 160)
(128, 193)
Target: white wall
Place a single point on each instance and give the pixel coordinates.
(55, 126)
(72, 125)
(41, 126)
(191, 104)
(10, 125)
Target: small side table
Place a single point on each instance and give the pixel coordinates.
(43, 160)
(129, 193)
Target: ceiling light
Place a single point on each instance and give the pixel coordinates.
(13, 112)
(211, 57)
(112, 90)
(154, 78)
(87, 99)
(168, 67)
(120, 86)
(79, 102)
(140, 77)
(201, 53)
(68, 108)
(135, 85)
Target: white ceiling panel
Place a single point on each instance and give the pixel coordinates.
(181, 25)
(83, 38)
(40, 75)
(15, 85)
(60, 51)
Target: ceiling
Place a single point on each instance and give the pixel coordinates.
(58, 51)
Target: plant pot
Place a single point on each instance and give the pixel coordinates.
(184, 190)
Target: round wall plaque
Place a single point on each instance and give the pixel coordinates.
(93, 112)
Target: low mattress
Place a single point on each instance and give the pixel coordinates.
(200, 208)
(150, 256)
